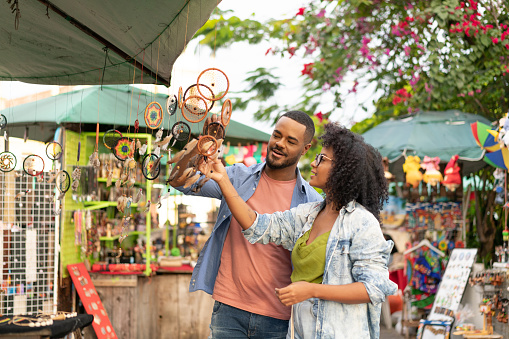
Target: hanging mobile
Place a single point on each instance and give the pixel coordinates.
(7, 161)
(33, 165)
(63, 181)
(171, 104)
(194, 109)
(111, 137)
(207, 145)
(153, 115)
(3, 121)
(226, 112)
(151, 166)
(124, 149)
(215, 129)
(180, 97)
(181, 131)
(214, 79)
(193, 91)
(54, 150)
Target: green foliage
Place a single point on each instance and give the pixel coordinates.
(421, 54)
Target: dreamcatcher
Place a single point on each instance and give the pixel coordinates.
(215, 129)
(193, 91)
(33, 165)
(194, 109)
(3, 121)
(207, 145)
(153, 115)
(63, 181)
(124, 149)
(54, 150)
(180, 97)
(7, 161)
(226, 112)
(171, 104)
(151, 166)
(111, 137)
(214, 80)
(181, 131)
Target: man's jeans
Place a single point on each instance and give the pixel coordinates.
(231, 322)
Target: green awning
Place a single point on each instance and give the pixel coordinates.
(435, 134)
(63, 42)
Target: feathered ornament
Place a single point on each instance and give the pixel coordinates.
(76, 175)
(93, 160)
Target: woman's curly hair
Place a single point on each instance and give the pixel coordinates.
(357, 171)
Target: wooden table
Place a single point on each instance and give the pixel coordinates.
(473, 335)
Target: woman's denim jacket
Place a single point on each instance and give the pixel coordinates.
(356, 252)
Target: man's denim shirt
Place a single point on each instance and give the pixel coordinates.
(245, 180)
(356, 252)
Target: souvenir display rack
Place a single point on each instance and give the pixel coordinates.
(29, 241)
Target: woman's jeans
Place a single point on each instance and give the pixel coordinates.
(304, 321)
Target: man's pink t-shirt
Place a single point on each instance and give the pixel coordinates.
(249, 273)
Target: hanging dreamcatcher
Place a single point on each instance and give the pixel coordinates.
(215, 129)
(181, 131)
(54, 150)
(226, 112)
(124, 149)
(153, 115)
(171, 104)
(180, 97)
(3, 121)
(7, 161)
(151, 166)
(193, 91)
(207, 145)
(63, 181)
(194, 109)
(33, 165)
(111, 137)
(215, 80)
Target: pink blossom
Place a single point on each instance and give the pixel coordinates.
(321, 14)
(387, 51)
(478, 90)
(301, 11)
(427, 87)
(495, 40)
(325, 87)
(407, 50)
(338, 70)
(471, 93)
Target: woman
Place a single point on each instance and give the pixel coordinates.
(339, 254)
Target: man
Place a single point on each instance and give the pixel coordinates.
(240, 276)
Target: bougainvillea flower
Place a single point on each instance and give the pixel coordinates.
(301, 11)
(319, 116)
(308, 69)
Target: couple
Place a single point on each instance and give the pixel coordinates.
(338, 253)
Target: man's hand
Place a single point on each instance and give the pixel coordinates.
(295, 293)
(210, 119)
(213, 169)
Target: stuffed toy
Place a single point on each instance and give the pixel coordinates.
(452, 178)
(503, 134)
(498, 186)
(432, 174)
(411, 168)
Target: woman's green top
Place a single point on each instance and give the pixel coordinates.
(309, 260)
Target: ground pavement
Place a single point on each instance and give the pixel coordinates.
(389, 333)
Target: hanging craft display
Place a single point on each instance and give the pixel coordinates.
(151, 166)
(215, 129)
(63, 181)
(54, 150)
(181, 131)
(180, 97)
(171, 104)
(411, 168)
(226, 112)
(33, 165)
(7, 161)
(452, 178)
(193, 91)
(3, 121)
(207, 145)
(194, 109)
(111, 137)
(153, 115)
(432, 175)
(214, 79)
(124, 149)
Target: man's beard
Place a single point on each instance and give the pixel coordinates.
(284, 163)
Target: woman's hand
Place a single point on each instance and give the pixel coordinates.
(295, 292)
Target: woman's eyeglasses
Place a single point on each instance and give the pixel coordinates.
(319, 157)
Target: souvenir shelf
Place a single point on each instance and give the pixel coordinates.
(91, 202)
